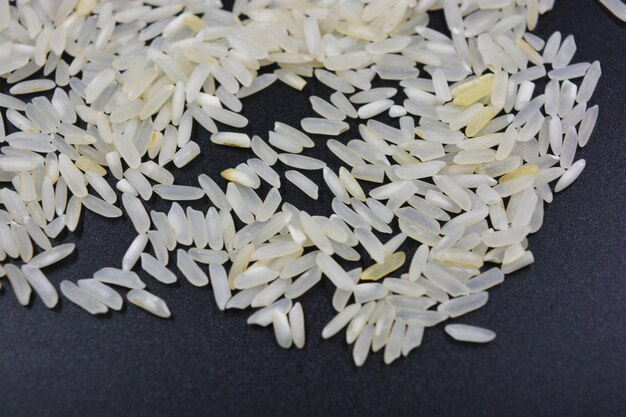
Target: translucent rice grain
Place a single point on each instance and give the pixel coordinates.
(74, 179)
(370, 173)
(370, 242)
(359, 322)
(149, 302)
(391, 72)
(334, 272)
(454, 191)
(552, 47)
(101, 207)
(19, 284)
(374, 108)
(190, 269)
(195, 81)
(588, 85)
(79, 297)
(486, 280)
(570, 175)
(296, 322)
(242, 299)
(127, 151)
(350, 184)
(463, 305)
(567, 98)
(134, 251)
(404, 287)
(325, 109)
(568, 151)
(505, 237)
(333, 81)
(241, 177)
(263, 151)
(226, 116)
(391, 45)
(566, 52)
(119, 277)
(350, 60)
(101, 292)
(303, 183)
(208, 256)
(269, 205)
(263, 317)
(301, 161)
(153, 267)
(343, 104)
(323, 127)
(397, 111)
(412, 338)
(219, 283)
(285, 143)
(514, 186)
(291, 79)
(587, 125)
(367, 292)
(214, 192)
(55, 227)
(254, 276)
(533, 73)
(156, 101)
(524, 94)
(569, 72)
(259, 83)
(444, 280)
(362, 345)
(393, 349)
(186, 154)
(139, 183)
(262, 168)
(303, 283)
(239, 204)
(101, 186)
(530, 53)
(282, 330)
(534, 41)
(98, 84)
(344, 153)
(239, 140)
(52, 256)
(10, 102)
(361, 79)
(375, 94)
(488, 52)
(471, 334)
(32, 86)
(274, 250)
(178, 192)
(526, 259)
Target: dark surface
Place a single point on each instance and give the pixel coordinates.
(561, 322)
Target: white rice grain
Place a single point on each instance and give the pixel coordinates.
(149, 302)
(79, 297)
(471, 334)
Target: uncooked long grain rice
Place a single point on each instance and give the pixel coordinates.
(484, 141)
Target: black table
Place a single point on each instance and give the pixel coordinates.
(561, 323)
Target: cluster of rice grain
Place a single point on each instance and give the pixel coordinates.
(465, 174)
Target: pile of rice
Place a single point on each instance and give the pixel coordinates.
(119, 90)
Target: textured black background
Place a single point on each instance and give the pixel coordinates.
(561, 322)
